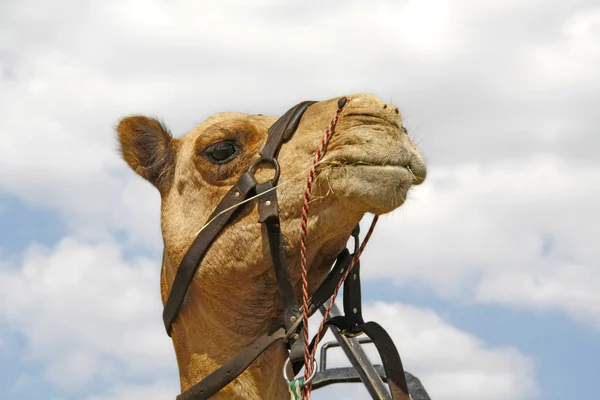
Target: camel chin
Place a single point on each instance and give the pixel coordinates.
(376, 189)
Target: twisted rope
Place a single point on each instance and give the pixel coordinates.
(303, 226)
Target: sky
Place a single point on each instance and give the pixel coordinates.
(487, 278)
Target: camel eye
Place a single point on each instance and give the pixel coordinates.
(221, 152)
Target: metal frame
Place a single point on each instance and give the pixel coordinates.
(372, 376)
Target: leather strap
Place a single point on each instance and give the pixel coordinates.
(325, 291)
(195, 254)
(352, 294)
(269, 217)
(352, 297)
(224, 375)
(283, 129)
(390, 358)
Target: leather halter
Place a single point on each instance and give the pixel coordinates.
(279, 132)
(246, 186)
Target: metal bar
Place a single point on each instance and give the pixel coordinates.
(340, 375)
(327, 345)
(359, 360)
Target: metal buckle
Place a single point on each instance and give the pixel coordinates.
(297, 320)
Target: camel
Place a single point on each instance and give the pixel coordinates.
(369, 167)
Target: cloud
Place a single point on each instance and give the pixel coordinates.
(451, 364)
(183, 63)
(570, 288)
(517, 235)
(88, 315)
(153, 391)
(63, 89)
(570, 61)
(499, 95)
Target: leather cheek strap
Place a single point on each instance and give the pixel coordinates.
(194, 256)
(283, 129)
(269, 217)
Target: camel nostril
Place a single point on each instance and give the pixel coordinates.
(384, 106)
(397, 110)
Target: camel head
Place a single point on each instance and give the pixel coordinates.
(369, 167)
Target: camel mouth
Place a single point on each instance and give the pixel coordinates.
(363, 163)
(415, 173)
(376, 188)
(405, 169)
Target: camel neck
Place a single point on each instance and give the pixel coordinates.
(213, 327)
(229, 306)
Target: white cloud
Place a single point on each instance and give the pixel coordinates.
(88, 315)
(570, 288)
(68, 78)
(498, 94)
(153, 391)
(572, 60)
(451, 364)
(519, 235)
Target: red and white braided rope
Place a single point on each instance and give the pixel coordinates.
(311, 178)
(308, 357)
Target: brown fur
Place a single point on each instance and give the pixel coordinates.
(233, 298)
(149, 149)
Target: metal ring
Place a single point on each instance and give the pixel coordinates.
(273, 164)
(310, 378)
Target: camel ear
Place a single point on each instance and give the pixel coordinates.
(148, 147)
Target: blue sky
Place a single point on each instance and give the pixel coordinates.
(486, 278)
